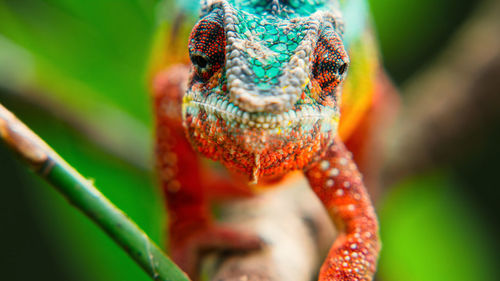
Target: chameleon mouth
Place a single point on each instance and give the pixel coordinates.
(220, 107)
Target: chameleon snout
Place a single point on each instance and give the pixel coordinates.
(255, 102)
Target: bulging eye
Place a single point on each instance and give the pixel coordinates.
(330, 61)
(207, 46)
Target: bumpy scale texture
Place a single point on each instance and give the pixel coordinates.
(338, 184)
(263, 99)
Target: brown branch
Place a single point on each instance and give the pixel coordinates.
(295, 227)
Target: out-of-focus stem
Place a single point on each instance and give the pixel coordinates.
(82, 194)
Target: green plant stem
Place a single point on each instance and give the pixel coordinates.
(82, 194)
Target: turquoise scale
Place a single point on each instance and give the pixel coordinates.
(280, 35)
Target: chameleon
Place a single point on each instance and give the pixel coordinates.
(256, 87)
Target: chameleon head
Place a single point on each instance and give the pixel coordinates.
(263, 96)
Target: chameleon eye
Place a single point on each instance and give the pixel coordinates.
(199, 61)
(342, 69)
(330, 62)
(207, 46)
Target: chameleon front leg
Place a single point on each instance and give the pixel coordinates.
(183, 180)
(337, 182)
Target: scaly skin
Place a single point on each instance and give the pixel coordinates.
(263, 99)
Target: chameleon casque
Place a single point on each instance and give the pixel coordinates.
(261, 94)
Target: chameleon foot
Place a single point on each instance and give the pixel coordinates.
(188, 252)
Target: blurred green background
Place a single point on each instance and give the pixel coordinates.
(67, 63)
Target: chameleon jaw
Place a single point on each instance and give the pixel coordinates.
(259, 145)
(223, 109)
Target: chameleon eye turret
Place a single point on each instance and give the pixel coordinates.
(330, 64)
(206, 46)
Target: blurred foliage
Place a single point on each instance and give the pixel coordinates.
(92, 50)
(430, 232)
(412, 32)
(88, 55)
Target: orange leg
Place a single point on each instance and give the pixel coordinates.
(184, 181)
(337, 182)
